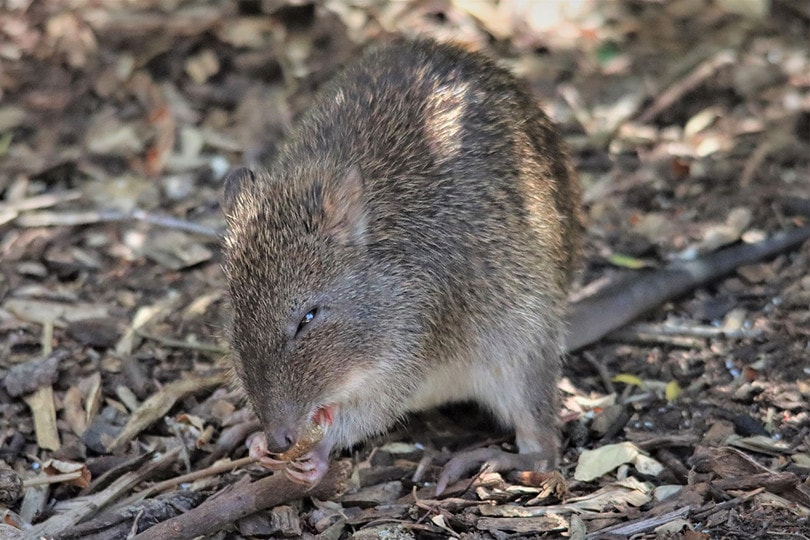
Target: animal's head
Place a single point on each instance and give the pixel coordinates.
(309, 318)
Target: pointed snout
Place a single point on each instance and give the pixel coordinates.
(283, 433)
(280, 439)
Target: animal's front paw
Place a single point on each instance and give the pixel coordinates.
(257, 449)
(309, 468)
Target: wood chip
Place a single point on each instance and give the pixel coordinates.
(85, 507)
(525, 525)
(379, 494)
(11, 485)
(29, 376)
(44, 411)
(160, 403)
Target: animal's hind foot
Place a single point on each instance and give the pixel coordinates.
(489, 459)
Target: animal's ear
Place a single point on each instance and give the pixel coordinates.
(235, 182)
(344, 207)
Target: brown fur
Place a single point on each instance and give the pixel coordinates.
(429, 209)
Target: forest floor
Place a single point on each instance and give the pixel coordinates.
(689, 123)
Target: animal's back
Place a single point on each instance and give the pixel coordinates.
(462, 170)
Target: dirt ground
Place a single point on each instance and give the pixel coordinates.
(689, 122)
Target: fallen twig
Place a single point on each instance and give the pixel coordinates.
(602, 370)
(643, 336)
(625, 530)
(217, 468)
(245, 498)
(695, 78)
(160, 403)
(40, 201)
(123, 522)
(230, 438)
(694, 330)
(775, 482)
(52, 219)
(636, 293)
(51, 479)
(85, 507)
(180, 344)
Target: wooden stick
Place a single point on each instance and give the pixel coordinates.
(86, 507)
(180, 344)
(53, 219)
(40, 201)
(705, 70)
(52, 479)
(243, 499)
(215, 469)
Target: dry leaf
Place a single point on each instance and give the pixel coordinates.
(673, 390)
(55, 467)
(629, 491)
(73, 411)
(593, 464)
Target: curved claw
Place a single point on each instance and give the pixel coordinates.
(257, 449)
(272, 464)
(309, 479)
(307, 469)
(490, 459)
(305, 463)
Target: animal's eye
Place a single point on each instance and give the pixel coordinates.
(306, 319)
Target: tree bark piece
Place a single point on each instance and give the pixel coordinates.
(11, 485)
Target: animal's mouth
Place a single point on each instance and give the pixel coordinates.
(311, 435)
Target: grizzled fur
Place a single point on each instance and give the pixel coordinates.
(427, 208)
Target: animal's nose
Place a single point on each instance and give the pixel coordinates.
(280, 439)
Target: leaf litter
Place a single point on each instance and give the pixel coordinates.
(689, 123)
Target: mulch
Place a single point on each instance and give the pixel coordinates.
(689, 123)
